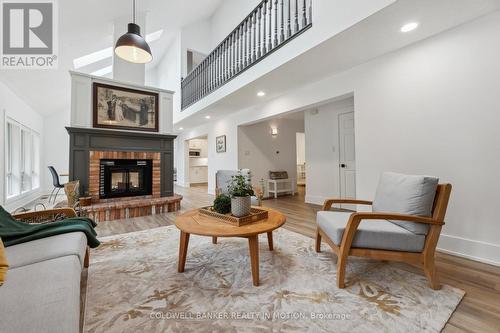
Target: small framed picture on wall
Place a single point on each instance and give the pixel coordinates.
(220, 144)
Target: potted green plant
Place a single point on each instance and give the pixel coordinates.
(240, 189)
(222, 204)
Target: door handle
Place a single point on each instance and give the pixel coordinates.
(342, 165)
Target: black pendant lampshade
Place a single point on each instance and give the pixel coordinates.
(132, 47)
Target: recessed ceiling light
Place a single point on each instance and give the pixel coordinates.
(207, 117)
(181, 128)
(409, 27)
(261, 94)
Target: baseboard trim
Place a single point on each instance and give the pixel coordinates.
(484, 252)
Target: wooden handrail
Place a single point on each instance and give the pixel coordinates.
(268, 27)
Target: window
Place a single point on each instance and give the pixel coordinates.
(22, 162)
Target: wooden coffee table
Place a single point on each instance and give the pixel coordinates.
(197, 224)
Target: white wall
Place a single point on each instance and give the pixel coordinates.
(55, 146)
(430, 108)
(195, 37)
(261, 152)
(169, 71)
(15, 108)
(229, 14)
(322, 150)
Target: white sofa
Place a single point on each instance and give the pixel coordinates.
(42, 289)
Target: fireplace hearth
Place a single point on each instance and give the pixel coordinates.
(125, 178)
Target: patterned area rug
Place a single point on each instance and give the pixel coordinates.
(134, 286)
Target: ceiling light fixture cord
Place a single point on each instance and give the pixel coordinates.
(133, 11)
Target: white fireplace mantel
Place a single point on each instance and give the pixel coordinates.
(81, 100)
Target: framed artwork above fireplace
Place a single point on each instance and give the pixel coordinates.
(117, 107)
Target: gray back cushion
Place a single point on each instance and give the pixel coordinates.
(405, 194)
(223, 177)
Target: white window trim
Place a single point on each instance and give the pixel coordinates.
(8, 166)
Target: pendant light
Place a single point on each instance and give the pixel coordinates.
(132, 47)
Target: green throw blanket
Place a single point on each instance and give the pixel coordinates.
(15, 232)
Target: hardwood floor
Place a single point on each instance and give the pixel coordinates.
(479, 311)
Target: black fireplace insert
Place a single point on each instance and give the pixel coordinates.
(125, 178)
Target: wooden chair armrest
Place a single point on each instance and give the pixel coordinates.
(330, 202)
(356, 218)
(45, 216)
(394, 216)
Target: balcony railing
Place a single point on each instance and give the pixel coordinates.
(272, 24)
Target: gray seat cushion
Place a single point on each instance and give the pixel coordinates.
(42, 297)
(371, 234)
(74, 243)
(405, 194)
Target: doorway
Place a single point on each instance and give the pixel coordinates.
(301, 158)
(198, 161)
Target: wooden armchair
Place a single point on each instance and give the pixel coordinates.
(421, 256)
(50, 216)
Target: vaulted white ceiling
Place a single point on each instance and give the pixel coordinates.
(86, 27)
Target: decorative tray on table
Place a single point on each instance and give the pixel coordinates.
(256, 214)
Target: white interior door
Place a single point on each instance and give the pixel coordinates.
(347, 157)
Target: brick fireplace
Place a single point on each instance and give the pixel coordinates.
(127, 174)
(96, 176)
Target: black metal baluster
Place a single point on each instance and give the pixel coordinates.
(264, 35)
(198, 85)
(250, 39)
(216, 68)
(227, 59)
(310, 11)
(242, 62)
(288, 26)
(188, 94)
(254, 54)
(229, 54)
(304, 14)
(259, 37)
(246, 44)
(296, 16)
(233, 44)
(270, 46)
(202, 82)
(221, 58)
(221, 63)
(193, 90)
(224, 64)
(195, 83)
(275, 23)
(209, 70)
(189, 91)
(282, 33)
